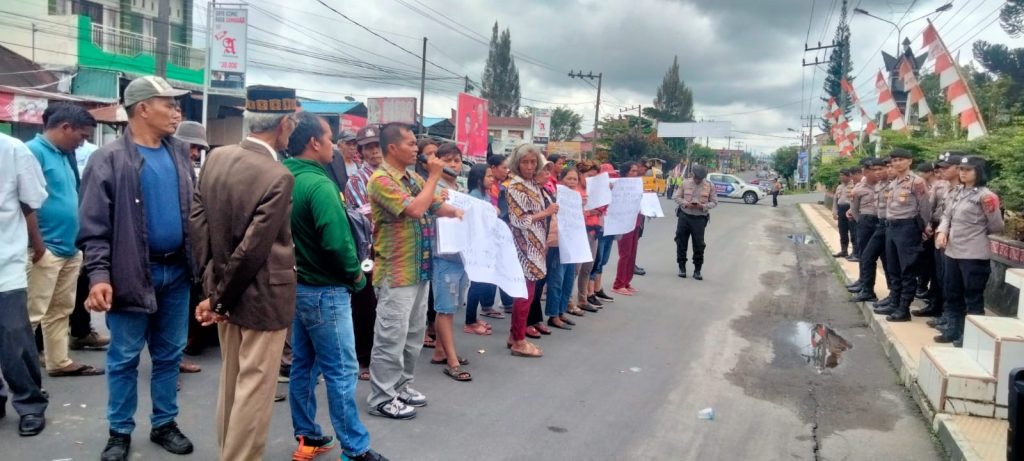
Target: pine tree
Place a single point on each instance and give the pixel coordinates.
(500, 81)
(674, 102)
(840, 65)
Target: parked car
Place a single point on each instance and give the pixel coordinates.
(730, 186)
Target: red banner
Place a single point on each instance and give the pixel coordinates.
(24, 109)
(471, 125)
(352, 123)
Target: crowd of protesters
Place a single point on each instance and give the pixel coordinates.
(930, 230)
(312, 252)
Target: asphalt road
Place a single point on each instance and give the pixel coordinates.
(626, 383)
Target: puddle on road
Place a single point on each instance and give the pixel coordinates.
(801, 239)
(819, 345)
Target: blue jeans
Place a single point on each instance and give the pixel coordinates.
(322, 340)
(560, 280)
(165, 331)
(604, 251)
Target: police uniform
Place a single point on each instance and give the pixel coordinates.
(871, 235)
(692, 221)
(840, 204)
(969, 217)
(908, 211)
(938, 194)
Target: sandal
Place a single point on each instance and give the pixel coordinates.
(532, 332)
(530, 351)
(364, 375)
(462, 361)
(476, 329)
(566, 320)
(189, 367)
(493, 314)
(428, 342)
(576, 311)
(557, 323)
(76, 370)
(485, 324)
(457, 374)
(542, 329)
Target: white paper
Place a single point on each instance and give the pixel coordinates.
(650, 206)
(573, 246)
(489, 253)
(598, 192)
(451, 233)
(625, 206)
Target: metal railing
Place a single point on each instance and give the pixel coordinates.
(119, 41)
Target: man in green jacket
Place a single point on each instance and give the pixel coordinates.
(328, 270)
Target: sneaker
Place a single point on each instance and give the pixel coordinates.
(370, 455)
(171, 438)
(283, 374)
(593, 301)
(311, 447)
(93, 340)
(412, 397)
(600, 294)
(394, 409)
(117, 447)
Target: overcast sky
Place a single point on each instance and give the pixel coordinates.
(741, 58)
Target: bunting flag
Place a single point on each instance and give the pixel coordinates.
(870, 129)
(915, 95)
(888, 104)
(958, 94)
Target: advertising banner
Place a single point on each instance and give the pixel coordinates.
(227, 49)
(695, 130)
(23, 109)
(571, 149)
(803, 167)
(471, 126)
(541, 126)
(352, 123)
(387, 110)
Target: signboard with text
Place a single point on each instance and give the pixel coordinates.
(227, 49)
(471, 125)
(387, 110)
(541, 126)
(352, 123)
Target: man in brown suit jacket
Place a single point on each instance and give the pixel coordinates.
(240, 221)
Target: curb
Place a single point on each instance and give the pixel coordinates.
(944, 427)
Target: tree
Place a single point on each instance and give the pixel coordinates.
(784, 161)
(674, 102)
(565, 124)
(500, 82)
(1011, 17)
(1006, 64)
(840, 65)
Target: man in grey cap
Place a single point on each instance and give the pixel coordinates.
(694, 199)
(194, 134)
(142, 180)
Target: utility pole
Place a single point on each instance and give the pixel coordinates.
(639, 115)
(423, 82)
(597, 107)
(33, 42)
(162, 32)
(468, 86)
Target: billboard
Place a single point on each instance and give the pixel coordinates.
(828, 153)
(352, 123)
(387, 110)
(803, 167)
(471, 125)
(541, 126)
(695, 130)
(227, 49)
(571, 149)
(22, 109)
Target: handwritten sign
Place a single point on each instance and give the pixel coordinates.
(650, 206)
(625, 206)
(491, 257)
(573, 246)
(451, 233)
(598, 192)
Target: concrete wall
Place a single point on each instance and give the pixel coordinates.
(56, 44)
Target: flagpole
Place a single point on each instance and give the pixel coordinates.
(959, 73)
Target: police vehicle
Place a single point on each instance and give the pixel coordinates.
(729, 186)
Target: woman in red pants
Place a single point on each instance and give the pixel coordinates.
(627, 245)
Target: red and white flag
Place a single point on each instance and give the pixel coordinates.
(958, 94)
(915, 96)
(888, 104)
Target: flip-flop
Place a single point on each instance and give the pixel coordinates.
(364, 375)
(493, 314)
(429, 342)
(462, 361)
(536, 352)
(189, 367)
(80, 370)
(476, 329)
(458, 374)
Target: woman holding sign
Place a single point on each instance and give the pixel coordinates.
(562, 279)
(592, 219)
(526, 216)
(628, 245)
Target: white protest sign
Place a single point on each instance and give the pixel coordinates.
(650, 206)
(625, 206)
(451, 232)
(573, 246)
(491, 257)
(598, 192)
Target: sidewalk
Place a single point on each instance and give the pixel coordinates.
(963, 437)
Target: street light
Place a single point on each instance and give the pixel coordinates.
(898, 27)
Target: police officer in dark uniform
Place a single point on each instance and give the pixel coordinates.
(940, 187)
(864, 210)
(909, 222)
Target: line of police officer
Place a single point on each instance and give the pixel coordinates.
(925, 228)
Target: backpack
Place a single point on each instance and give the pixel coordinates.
(362, 233)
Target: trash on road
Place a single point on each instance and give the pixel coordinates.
(635, 369)
(706, 414)
(480, 351)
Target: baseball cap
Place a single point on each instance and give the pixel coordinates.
(900, 153)
(346, 136)
(192, 133)
(147, 87)
(368, 135)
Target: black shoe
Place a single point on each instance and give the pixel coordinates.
(117, 447)
(921, 294)
(284, 373)
(927, 311)
(855, 289)
(370, 455)
(854, 284)
(898, 316)
(637, 270)
(864, 296)
(853, 259)
(937, 322)
(171, 438)
(593, 301)
(841, 254)
(697, 276)
(587, 307)
(31, 424)
(884, 310)
(885, 302)
(3, 409)
(942, 339)
(682, 273)
(600, 295)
